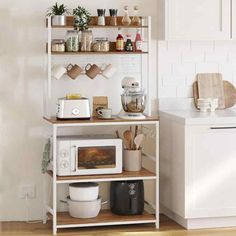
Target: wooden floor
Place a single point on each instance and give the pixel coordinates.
(167, 228)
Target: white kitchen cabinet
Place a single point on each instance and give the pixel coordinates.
(198, 168)
(211, 172)
(194, 19)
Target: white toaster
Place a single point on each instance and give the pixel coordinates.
(73, 108)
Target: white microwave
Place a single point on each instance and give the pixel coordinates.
(88, 155)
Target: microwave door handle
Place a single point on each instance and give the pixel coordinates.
(75, 161)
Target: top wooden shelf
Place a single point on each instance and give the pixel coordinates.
(93, 23)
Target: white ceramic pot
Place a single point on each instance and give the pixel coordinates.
(84, 210)
(58, 20)
(132, 160)
(83, 191)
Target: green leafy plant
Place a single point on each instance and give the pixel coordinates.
(82, 18)
(57, 10)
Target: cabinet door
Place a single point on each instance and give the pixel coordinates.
(234, 19)
(210, 172)
(198, 19)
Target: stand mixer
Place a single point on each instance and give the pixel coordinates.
(133, 99)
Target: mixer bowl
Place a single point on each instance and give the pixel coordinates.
(133, 102)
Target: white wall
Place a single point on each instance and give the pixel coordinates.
(22, 72)
(180, 61)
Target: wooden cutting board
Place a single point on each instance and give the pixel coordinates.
(211, 86)
(229, 94)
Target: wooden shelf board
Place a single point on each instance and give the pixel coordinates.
(101, 53)
(105, 216)
(142, 174)
(54, 120)
(104, 27)
(93, 23)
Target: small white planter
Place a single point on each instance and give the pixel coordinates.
(132, 160)
(58, 20)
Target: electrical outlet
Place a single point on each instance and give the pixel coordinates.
(27, 190)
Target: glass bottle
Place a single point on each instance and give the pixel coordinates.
(120, 41)
(128, 44)
(138, 41)
(136, 20)
(126, 19)
(72, 41)
(86, 41)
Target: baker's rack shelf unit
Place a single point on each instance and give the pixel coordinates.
(105, 217)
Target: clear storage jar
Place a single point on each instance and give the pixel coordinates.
(86, 41)
(58, 45)
(72, 41)
(101, 45)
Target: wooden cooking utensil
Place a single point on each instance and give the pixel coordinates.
(230, 94)
(211, 86)
(138, 140)
(128, 137)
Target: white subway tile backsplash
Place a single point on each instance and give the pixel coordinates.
(190, 79)
(179, 46)
(184, 92)
(205, 46)
(183, 68)
(180, 61)
(220, 56)
(207, 67)
(173, 81)
(193, 56)
(167, 92)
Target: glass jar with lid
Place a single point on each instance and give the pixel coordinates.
(72, 41)
(58, 45)
(86, 41)
(101, 45)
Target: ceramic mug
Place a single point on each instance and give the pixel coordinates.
(109, 71)
(92, 70)
(104, 113)
(58, 71)
(73, 71)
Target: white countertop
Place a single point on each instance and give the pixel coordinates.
(195, 117)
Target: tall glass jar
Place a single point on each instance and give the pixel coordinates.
(86, 41)
(72, 41)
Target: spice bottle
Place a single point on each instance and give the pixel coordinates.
(119, 41)
(138, 41)
(136, 20)
(126, 19)
(128, 44)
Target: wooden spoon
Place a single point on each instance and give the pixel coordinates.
(138, 140)
(128, 139)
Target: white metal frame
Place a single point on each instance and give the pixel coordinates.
(145, 74)
(53, 210)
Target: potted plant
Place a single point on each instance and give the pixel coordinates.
(58, 14)
(81, 18)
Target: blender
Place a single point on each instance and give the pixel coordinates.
(133, 99)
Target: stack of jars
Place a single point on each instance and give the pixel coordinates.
(72, 41)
